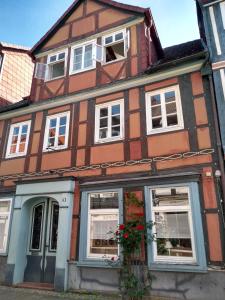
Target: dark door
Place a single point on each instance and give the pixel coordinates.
(42, 244)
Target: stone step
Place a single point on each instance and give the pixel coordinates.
(35, 286)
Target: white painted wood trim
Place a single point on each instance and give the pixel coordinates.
(215, 32)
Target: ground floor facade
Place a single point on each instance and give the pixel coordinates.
(57, 232)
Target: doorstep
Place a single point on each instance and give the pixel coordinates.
(35, 286)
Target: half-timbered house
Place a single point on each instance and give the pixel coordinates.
(111, 112)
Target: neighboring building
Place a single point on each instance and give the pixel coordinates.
(111, 112)
(16, 71)
(211, 17)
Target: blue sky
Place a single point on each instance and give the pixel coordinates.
(24, 22)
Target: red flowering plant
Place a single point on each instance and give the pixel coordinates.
(131, 238)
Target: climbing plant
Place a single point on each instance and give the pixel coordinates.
(132, 237)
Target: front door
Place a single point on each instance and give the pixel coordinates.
(42, 242)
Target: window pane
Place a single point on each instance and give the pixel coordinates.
(62, 130)
(62, 121)
(16, 131)
(155, 100)
(177, 196)
(61, 56)
(116, 131)
(61, 140)
(78, 58)
(37, 227)
(53, 123)
(103, 122)
(171, 108)
(4, 206)
(173, 234)
(115, 52)
(100, 239)
(156, 123)
(51, 142)
(53, 58)
(104, 200)
(88, 56)
(116, 120)
(14, 139)
(52, 132)
(104, 112)
(156, 111)
(116, 109)
(57, 70)
(3, 233)
(103, 133)
(13, 149)
(119, 36)
(54, 227)
(172, 120)
(22, 147)
(23, 138)
(108, 40)
(170, 96)
(24, 128)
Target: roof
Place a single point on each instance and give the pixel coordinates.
(205, 2)
(183, 50)
(179, 52)
(53, 29)
(14, 46)
(16, 105)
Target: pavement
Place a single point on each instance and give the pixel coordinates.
(9, 293)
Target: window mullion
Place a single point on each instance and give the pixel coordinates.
(163, 105)
(19, 138)
(57, 132)
(82, 57)
(110, 121)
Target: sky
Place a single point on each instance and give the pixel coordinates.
(24, 22)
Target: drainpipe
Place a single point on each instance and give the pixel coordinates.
(219, 147)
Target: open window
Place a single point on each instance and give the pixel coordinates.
(115, 46)
(56, 65)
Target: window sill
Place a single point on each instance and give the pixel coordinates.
(52, 79)
(15, 156)
(111, 140)
(54, 149)
(173, 267)
(82, 71)
(113, 61)
(164, 130)
(94, 264)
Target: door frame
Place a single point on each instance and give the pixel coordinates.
(60, 190)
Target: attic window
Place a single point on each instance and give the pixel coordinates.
(56, 65)
(83, 57)
(115, 46)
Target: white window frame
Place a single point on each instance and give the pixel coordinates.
(126, 35)
(164, 127)
(183, 208)
(91, 42)
(105, 212)
(17, 153)
(97, 121)
(46, 148)
(6, 214)
(57, 61)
